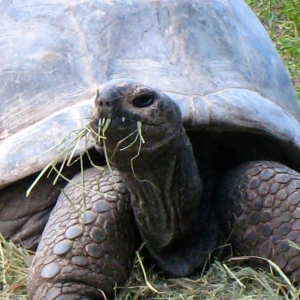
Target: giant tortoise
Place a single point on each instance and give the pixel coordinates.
(202, 143)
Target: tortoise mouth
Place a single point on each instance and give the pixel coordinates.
(123, 121)
(126, 119)
(112, 125)
(115, 131)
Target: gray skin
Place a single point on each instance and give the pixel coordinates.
(234, 120)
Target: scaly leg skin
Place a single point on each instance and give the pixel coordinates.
(260, 206)
(89, 242)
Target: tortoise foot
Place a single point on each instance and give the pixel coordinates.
(259, 207)
(89, 242)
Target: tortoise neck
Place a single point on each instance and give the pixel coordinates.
(165, 190)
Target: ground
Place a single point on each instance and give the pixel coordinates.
(231, 280)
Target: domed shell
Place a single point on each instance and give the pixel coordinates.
(214, 58)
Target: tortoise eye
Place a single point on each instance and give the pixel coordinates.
(143, 100)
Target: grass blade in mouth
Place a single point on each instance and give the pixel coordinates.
(66, 157)
(104, 124)
(138, 138)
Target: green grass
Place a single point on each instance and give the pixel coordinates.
(231, 280)
(282, 20)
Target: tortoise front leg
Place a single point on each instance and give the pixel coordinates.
(259, 205)
(89, 242)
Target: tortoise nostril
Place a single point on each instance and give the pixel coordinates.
(104, 103)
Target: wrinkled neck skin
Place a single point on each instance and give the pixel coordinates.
(166, 193)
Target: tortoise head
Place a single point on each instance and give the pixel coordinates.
(125, 110)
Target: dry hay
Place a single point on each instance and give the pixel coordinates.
(230, 280)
